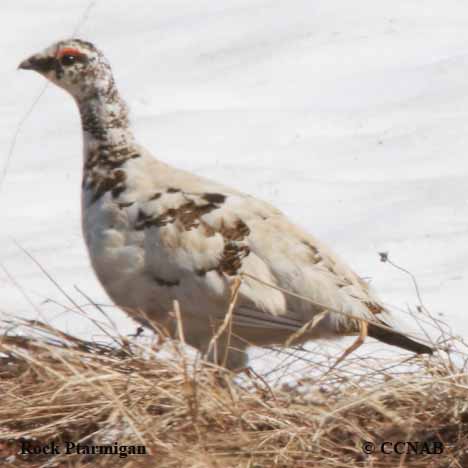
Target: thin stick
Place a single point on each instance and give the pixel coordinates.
(180, 327)
(228, 317)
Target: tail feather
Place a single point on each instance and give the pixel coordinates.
(395, 338)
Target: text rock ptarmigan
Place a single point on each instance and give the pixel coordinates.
(157, 234)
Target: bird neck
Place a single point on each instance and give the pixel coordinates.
(104, 120)
(108, 143)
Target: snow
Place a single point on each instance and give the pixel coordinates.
(349, 116)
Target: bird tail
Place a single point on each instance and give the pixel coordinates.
(396, 338)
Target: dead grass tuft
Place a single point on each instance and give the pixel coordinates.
(55, 387)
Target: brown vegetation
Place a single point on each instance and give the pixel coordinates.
(57, 388)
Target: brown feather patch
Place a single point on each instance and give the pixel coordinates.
(113, 181)
(374, 308)
(231, 260)
(237, 232)
(189, 215)
(101, 171)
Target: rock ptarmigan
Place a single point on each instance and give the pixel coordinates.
(157, 234)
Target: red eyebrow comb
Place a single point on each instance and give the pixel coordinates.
(68, 51)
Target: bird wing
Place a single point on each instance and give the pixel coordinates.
(198, 236)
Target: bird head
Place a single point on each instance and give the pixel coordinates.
(75, 65)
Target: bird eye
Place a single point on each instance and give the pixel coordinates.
(68, 59)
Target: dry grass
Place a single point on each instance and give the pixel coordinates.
(54, 387)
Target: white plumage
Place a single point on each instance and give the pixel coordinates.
(156, 234)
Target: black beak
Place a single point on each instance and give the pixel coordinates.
(26, 65)
(39, 64)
